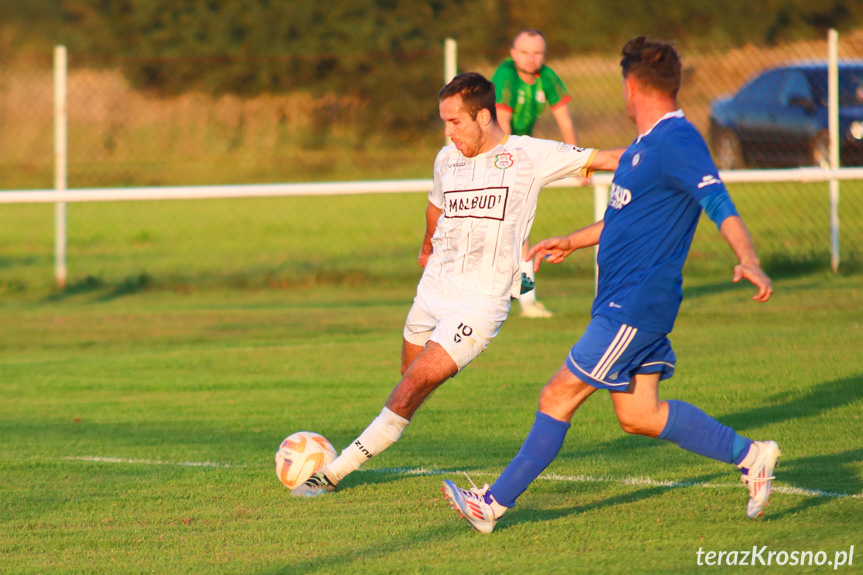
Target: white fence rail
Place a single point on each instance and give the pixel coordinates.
(600, 182)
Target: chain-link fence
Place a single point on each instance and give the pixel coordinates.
(122, 137)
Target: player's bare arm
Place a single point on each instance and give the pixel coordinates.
(606, 160)
(735, 233)
(555, 250)
(433, 214)
(504, 118)
(565, 123)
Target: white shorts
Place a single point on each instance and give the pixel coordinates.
(462, 322)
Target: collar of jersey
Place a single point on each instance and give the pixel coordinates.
(500, 144)
(674, 114)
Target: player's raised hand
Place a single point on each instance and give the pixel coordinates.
(758, 278)
(553, 250)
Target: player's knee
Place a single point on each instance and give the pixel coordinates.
(636, 423)
(552, 395)
(405, 401)
(561, 398)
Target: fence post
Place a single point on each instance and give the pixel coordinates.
(450, 57)
(60, 163)
(833, 127)
(600, 203)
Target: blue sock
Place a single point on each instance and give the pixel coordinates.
(740, 449)
(539, 449)
(695, 431)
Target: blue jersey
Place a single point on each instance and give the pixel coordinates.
(649, 224)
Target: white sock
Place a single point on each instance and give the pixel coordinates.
(751, 456)
(497, 508)
(380, 434)
(529, 297)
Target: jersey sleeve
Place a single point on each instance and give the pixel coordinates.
(504, 87)
(688, 166)
(555, 90)
(556, 160)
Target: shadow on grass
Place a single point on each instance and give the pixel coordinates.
(534, 515)
(800, 469)
(821, 399)
(102, 290)
(747, 290)
(98, 287)
(458, 528)
(378, 548)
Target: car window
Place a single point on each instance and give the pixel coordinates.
(796, 87)
(764, 89)
(850, 86)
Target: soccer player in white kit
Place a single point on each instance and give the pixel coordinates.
(481, 208)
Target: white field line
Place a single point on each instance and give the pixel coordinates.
(421, 471)
(151, 461)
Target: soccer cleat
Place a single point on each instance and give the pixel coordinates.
(527, 284)
(317, 484)
(534, 309)
(760, 477)
(470, 505)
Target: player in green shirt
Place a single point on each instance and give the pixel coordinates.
(524, 87)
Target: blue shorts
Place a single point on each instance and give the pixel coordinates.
(610, 353)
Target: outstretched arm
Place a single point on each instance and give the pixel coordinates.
(607, 160)
(565, 123)
(735, 233)
(555, 250)
(433, 214)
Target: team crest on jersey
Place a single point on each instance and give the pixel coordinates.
(540, 96)
(503, 161)
(636, 159)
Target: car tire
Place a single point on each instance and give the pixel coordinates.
(819, 151)
(729, 154)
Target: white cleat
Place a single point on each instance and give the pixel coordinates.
(471, 506)
(534, 309)
(759, 480)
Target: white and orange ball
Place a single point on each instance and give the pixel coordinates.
(300, 455)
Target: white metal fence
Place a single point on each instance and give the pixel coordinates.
(61, 195)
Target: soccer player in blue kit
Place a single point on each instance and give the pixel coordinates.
(663, 181)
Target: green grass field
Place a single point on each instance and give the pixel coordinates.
(138, 433)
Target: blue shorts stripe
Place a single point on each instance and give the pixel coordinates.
(610, 354)
(616, 349)
(608, 351)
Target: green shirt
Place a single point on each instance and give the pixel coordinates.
(527, 101)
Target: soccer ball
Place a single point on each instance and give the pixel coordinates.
(301, 455)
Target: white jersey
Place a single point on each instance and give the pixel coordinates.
(489, 204)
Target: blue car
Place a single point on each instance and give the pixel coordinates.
(779, 119)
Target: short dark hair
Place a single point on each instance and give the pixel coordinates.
(654, 63)
(476, 92)
(529, 32)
